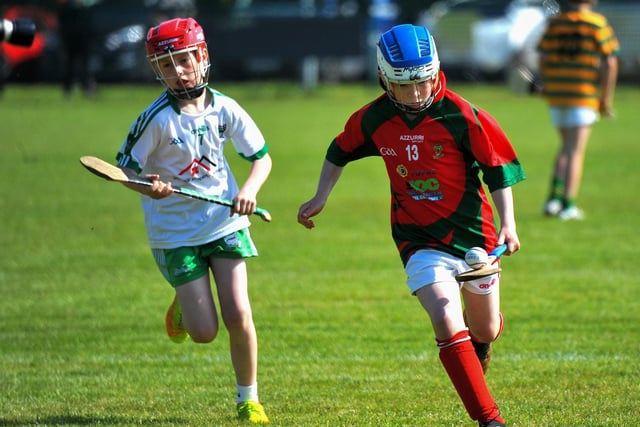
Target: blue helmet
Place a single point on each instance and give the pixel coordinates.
(407, 54)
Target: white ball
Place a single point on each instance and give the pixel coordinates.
(476, 257)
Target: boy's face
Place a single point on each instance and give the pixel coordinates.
(182, 70)
(412, 95)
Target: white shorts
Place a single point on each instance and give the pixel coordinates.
(428, 266)
(564, 117)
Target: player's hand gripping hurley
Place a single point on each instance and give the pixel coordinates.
(113, 173)
(491, 267)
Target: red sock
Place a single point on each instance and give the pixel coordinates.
(464, 369)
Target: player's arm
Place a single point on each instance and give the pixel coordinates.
(245, 202)
(503, 201)
(129, 161)
(329, 176)
(349, 145)
(158, 189)
(608, 79)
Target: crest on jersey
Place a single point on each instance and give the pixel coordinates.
(198, 167)
(222, 128)
(437, 152)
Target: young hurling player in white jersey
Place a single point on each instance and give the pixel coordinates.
(179, 139)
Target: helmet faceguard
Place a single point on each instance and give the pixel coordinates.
(406, 55)
(175, 37)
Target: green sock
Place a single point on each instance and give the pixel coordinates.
(557, 189)
(568, 203)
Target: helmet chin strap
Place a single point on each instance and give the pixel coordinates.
(188, 94)
(403, 107)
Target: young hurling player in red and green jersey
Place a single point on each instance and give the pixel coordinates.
(438, 149)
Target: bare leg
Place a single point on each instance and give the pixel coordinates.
(574, 144)
(199, 314)
(483, 314)
(444, 306)
(231, 282)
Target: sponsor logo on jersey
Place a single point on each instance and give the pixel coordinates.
(432, 197)
(425, 189)
(198, 167)
(412, 138)
(200, 132)
(423, 172)
(386, 151)
(430, 184)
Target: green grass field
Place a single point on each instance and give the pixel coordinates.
(82, 338)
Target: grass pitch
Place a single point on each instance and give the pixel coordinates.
(341, 341)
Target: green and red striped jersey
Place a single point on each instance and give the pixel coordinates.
(571, 48)
(436, 163)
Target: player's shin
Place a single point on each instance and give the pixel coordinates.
(463, 367)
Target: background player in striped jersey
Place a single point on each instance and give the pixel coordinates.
(180, 138)
(579, 70)
(435, 146)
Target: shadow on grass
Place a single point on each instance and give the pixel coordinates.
(86, 420)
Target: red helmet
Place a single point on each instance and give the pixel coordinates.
(174, 37)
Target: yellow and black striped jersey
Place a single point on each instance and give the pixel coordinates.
(571, 50)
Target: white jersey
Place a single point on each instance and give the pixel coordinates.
(188, 151)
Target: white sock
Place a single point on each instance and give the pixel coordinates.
(247, 392)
